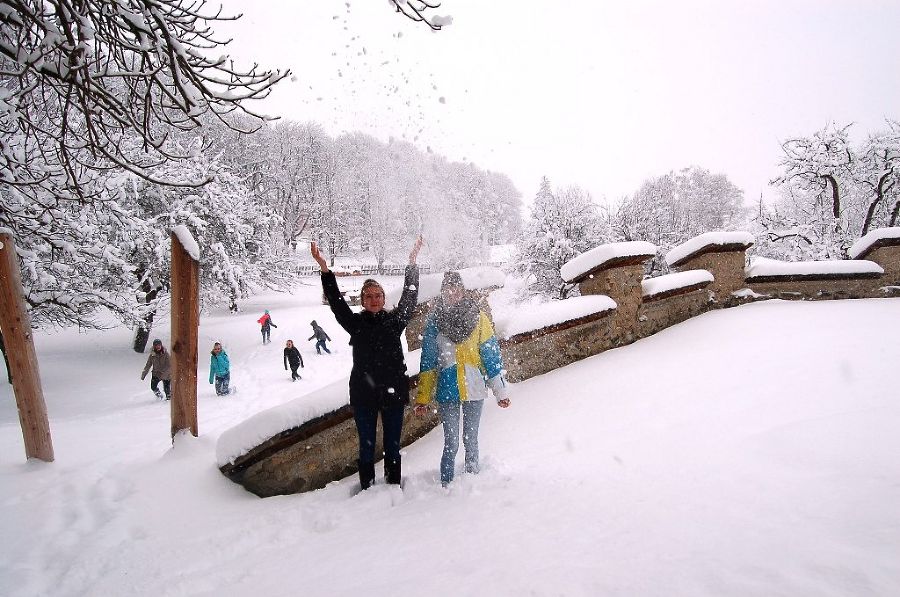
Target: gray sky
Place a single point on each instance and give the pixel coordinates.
(600, 94)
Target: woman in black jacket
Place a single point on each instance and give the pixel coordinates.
(378, 382)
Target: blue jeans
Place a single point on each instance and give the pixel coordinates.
(392, 426)
(222, 384)
(321, 344)
(471, 416)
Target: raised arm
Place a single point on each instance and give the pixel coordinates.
(409, 298)
(415, 250)
(342, 312)
(314, 250)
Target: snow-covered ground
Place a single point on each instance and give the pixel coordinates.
(749, 451)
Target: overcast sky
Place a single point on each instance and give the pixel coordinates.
(595, 93)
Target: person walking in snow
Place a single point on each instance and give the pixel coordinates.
(460, 360)
(292, 357)
(162, 370)
(378, 382)
(219, 369)
(320, 336)
(266, 322)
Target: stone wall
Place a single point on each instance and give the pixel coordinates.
(312, 455)
(817, 287)
(888, 257)
(656, 315)
(622, 283)
(537, 352)
(726, 266)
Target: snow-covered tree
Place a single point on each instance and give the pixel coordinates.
(81, 78)
(89, 91)
(563, 224)
(831, 192)
(878, 177)
(232, 226)
(677, 206)
(372, 212)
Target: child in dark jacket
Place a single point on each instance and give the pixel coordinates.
(320, 336)
(292, 357)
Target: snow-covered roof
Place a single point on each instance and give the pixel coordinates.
(875, 238)
(762, 267)
(672, 282)
(732, 240)
(552, 313)
(590, 261)
(474, 278)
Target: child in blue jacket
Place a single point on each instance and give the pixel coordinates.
(219, 369)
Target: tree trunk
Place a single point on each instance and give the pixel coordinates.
(27, 386)
(893, 221)
(835, 196)
(142, 333)
(879, 195)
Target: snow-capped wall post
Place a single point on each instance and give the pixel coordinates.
(185, 323)
(723, 254)
(883, 247)
(614, 270)
(16, 325)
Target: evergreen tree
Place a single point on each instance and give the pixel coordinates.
(563, 224)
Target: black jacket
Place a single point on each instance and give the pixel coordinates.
(378, 377)
(292, 356)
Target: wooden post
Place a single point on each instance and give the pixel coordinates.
(185, 321)
(23, 363)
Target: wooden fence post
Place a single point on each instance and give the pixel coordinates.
(16, 325)
(185, 275)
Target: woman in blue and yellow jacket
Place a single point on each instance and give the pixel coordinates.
(460, 361)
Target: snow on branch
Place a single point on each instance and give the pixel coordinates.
(415, 10)
(83, 78)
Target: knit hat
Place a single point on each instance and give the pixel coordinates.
(452, 280)
(157, 341)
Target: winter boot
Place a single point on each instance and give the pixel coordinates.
(392, 472)
(366, 474)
